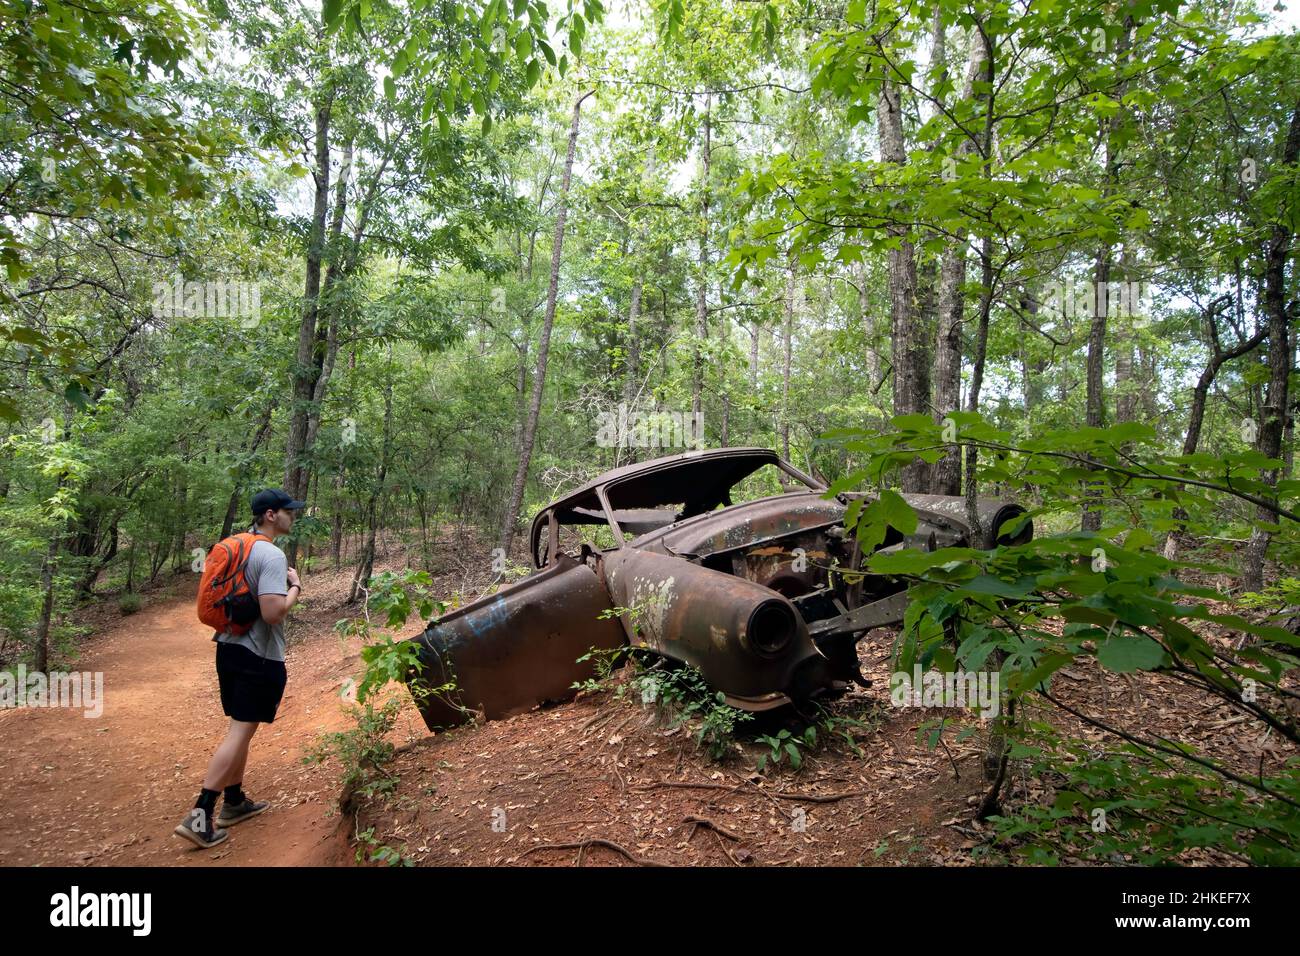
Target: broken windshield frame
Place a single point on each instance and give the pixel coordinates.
(602, 492)
(640, 515)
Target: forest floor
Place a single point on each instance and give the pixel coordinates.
(598, 781)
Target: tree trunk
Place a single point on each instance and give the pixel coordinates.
(753, 356)
(1276, 406)
(506, 537)
(909, 353)
(947, 362)
(868, 321)
(1096, 399)
(977, 381)
(42, 661)
(702, 283)
(336, 532)
(633, 345)
(1200, 394)
(306, 369)
(787, 332)
(951, 305)
(367, 565)
(236, 496)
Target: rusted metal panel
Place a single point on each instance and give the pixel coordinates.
(748, 641)
(745, 525)
(515, 649)
(992, 513)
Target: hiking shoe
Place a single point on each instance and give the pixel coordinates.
(198, 829)
(239, 812)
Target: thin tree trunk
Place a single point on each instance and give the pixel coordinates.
(977, 383)
(336, 532)
(306, 370)
(236, 495)
(1274, 412)
(42, 661)
(952, 305)
(868, 321)
(787, 334)
(633, 344)
(367, 564)
(1200, 394)
(506, 537)
(947, 361)
(702, 283)
(1096, 399)
(909, 353)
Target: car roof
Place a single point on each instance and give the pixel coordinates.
(703, 466)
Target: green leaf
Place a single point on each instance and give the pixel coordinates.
(75, 394)
(1022, 683)
(1125, 653)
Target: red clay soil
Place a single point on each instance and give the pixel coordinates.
(108, 790)
(599, 782)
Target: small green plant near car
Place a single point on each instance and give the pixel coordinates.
(823, 730)
(605, 661)
(679, 694)
(370, 850)
(846, 728)
(388, 661)
(364, 750)
(786, 746)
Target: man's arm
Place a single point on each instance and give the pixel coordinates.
(277, 587)
(275, 607)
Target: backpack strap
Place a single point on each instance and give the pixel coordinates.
(243, 556)
(239, 560)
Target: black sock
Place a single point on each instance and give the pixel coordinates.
(207, 800)
(234, 794)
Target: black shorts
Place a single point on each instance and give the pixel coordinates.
(251, 686)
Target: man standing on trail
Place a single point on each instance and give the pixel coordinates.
(250, 671)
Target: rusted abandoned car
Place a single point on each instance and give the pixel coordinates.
(729, 559)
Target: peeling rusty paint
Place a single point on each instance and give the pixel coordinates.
(518, 648)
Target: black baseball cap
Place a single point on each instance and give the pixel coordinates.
(276, 499)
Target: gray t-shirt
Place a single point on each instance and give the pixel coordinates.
(267, 572)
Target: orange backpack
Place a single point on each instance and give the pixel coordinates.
(225, 601)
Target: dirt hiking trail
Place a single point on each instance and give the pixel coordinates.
(108, 790)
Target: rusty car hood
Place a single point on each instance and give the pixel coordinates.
(744, 525)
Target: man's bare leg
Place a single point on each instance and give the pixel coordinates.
(227, 764)
(238, 775)
(225, 768)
